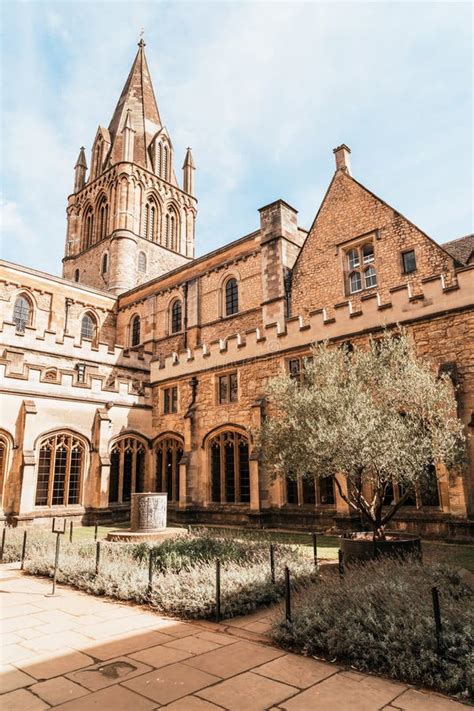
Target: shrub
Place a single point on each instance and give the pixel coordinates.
(379, 618)
(184, 584)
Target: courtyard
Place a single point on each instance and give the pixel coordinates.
(79, 653)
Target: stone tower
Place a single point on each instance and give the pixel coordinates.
(129, 221)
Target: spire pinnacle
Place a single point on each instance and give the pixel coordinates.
(188, 161)
(81, 159)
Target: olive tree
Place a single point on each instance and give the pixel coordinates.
(379, 416)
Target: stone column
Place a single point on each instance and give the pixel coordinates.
(26, 435)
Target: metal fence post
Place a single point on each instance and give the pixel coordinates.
(23, 550)
(150, 572)
(96, 531)
(218, 590)
(341, 563)
(287, 595)
(272, 562)
(71, 525)
(315, 548)
(97, 557)
(2, 548)
(56, 562)
(437, 618)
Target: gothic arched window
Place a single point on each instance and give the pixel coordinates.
(105, 263)
(89, 327)
(165, 164)
(171, 230)
(103, 218)
(127, 470)
(60, 470)
(88, 228)
(176, 316)
(150, 220)
(168, 455)
(22, 313)
(135, 331)
(142, 262)
(231, 297)
(229, 468)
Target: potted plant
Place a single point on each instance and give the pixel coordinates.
(375, 418)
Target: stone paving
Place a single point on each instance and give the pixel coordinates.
(80, 653)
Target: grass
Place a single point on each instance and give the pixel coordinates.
(379, 618)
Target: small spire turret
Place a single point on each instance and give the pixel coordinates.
(188, 173)
(128, 137)
(80, 170)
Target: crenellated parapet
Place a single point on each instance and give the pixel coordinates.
(48, 342)
(342, 320)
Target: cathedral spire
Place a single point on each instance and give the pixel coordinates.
(137, 101)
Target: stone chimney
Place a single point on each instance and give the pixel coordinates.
(343, 162)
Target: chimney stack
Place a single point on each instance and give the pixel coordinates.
(343, 162)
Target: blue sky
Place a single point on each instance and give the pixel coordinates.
(262, 91)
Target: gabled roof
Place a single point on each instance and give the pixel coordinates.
(137, 97)
(462, 249)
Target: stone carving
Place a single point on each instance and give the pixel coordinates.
(148, 512)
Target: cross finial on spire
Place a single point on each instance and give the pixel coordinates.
(141, 43)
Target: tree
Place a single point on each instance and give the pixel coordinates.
(378, 415)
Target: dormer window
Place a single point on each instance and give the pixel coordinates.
(360, 276)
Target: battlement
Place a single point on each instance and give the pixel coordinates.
(50, 342)
(340, 321)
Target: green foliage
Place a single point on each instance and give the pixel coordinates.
(184, 553)
(184, 582)
(378, 415)
(379, 618)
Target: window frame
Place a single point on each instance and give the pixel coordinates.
(55, 440)
(220, 488)
(123, 446)
(230, 300)
(230, 380)
(95, 330)
(170, 400)
(21, 324)
(403, 255)
(175, 325)
(165, 444)
(135, 332)
(356, 268)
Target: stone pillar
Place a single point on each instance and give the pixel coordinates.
(26, 435)
(148, 512)
(96, 484)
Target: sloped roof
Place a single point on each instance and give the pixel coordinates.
(462, 249)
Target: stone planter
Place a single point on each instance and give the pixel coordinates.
(359, 547)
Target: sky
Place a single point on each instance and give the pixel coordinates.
(261, 91)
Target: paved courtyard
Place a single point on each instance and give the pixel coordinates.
(80, 653)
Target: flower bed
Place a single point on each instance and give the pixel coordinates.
(184, 571)
(379, 618)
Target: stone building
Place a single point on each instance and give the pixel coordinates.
(144, 368)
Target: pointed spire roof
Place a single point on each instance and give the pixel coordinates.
(81, 159)
(137, 104)
(188, 161)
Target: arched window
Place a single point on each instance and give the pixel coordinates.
(176, 316)
(127, 470)
(165, 165)
(231, 297)
(370, 277)
(105, 263)
(76, 275)
(355, 282)
(142, 262)
(89, 327)
(150, 220)
(60, 471)
(88, 228)
(103, 218)
(168, 455)
(22, 313)
(171, 230)
(159, 157)
(135, 331)
(229, 467)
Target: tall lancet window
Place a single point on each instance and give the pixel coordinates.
(159, 157)
(171, 230)
(88, 228)
(150, 220)
(103, 218)
(165, 164)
